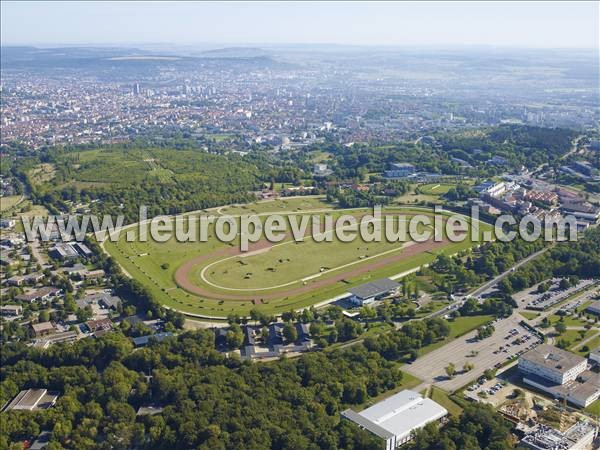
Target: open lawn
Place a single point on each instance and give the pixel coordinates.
(573, 337)
(7, 202)
(213, 279)
(458, 327)
(292, 261)
(462, 325)
(285, 205)
(413, 197)
(30, 211)
(529, 315)
(594, 408)
(435, 188)
(441, 397)
(430, 307)
(584, 349)
(569, 321)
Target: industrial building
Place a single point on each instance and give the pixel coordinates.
(33, 399)
(70, 250)
(579, 436)
(552, 364)
(561, 374)
(397, 417)
(400, 170)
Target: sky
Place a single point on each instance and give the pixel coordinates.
(502, 24)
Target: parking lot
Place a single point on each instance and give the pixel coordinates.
(509, 340)
(494, 392)
(540, 301)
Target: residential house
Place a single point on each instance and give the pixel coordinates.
(11, 310)
(39, 295)
(42, 329)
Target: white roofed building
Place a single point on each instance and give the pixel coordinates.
(395, 418)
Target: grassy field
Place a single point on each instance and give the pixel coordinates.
(412, 196)
(529, 315)
(7, 202)
(430, 307)
(462, 325)
(574, 338)
(458, 327)
(594, 408)
(435, 188)
(441, 397)
(293, 204)
(42, 173)
(590, 345)
(31, 212)
(219, 137)
(154, 264)
(569, 321)
(320, 157)
(290, 261)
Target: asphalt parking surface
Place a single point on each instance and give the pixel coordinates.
(431, 367)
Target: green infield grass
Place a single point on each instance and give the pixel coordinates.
(435, 188)
(213, 279)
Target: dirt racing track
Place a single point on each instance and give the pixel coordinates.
(183, 275)
(221, 279)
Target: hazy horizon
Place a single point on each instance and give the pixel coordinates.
(551, 25)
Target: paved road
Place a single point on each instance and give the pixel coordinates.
(490, 284)
(574, 146)
(458, 301)
(38, 253)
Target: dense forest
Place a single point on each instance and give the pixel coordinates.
(178, 175)
(447, 152)
(478, 427)
(118, 180)
(520, 145)
(567, 259)
(472, 267)
(210, 400)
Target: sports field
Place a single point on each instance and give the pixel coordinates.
(215, 279)
(435, 188)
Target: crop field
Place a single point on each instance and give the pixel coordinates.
(214, 279)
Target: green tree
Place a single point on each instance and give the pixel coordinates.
(44, 316)
(450, 370)
(289, 332)
(234, 336)
(560, 327)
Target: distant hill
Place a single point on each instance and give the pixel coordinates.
(109, 59)
(235, 52)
